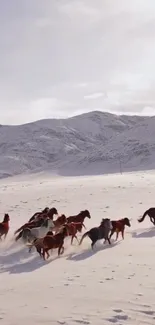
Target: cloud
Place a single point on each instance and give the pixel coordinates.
(60, 57)
(93, 96)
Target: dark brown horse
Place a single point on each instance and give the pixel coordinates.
(51, 213)
(4, 226)
(49, 242)
(119, 226)
(30, 225)
(151, 213)
(38, 221)
(38, 214)
(79, 217)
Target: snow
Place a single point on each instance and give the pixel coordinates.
(87, 144)
(113, 284)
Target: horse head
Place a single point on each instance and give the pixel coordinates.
(62, 219)
(45, 210)
(85, 213)
(51, 212)
(6, 218)
(127, 222)
(106, 223)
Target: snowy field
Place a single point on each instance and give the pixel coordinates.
(112, 285)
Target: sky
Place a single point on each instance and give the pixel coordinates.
(61, 58)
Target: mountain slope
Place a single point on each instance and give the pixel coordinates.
(91, 143)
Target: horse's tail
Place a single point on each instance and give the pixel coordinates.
(18, 230)
(82, 238)
(143, 217)
(19, 236)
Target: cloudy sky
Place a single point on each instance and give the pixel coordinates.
(63, 57)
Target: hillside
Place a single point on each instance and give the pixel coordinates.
(91, 143)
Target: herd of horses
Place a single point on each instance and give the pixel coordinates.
(45, 234)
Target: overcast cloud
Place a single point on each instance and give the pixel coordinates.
(63, 57)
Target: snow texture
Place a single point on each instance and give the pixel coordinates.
(111, 285)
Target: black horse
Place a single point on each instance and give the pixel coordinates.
(97, 233)
(151, 213)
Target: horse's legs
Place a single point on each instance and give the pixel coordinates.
(108, 239)
(61, 249)
(45, 250)
(74, 236)
(112, 232)
(5, 234)
(152, 219)
(93, 243)
(117, 232)
(48, 255)
(122, 234)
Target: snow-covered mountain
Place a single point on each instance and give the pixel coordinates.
(91, 143)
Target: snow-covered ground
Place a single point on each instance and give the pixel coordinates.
(110, 285)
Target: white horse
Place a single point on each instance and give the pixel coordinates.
(38, 232)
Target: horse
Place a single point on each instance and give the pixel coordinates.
(98, 233)
(151, 213)
(73, 228)
(4, 226)
(79, 217)
(51, 213)
(59, 222)
(38, 214)
(43, 245)
(30, 225)
(37, 232)
(119, 226)
(46, 213)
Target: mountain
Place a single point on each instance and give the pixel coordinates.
(91, 143)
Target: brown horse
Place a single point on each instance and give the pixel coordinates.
(73, 228)
(56, 241)
(59, 222)
(4, 226)
(79, 217)
(151, 213)
(43, 245)
(119, 226)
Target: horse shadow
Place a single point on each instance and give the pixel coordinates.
(148, 233)
(20, 261)
(87, 253)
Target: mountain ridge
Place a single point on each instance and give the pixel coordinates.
(89, 143)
